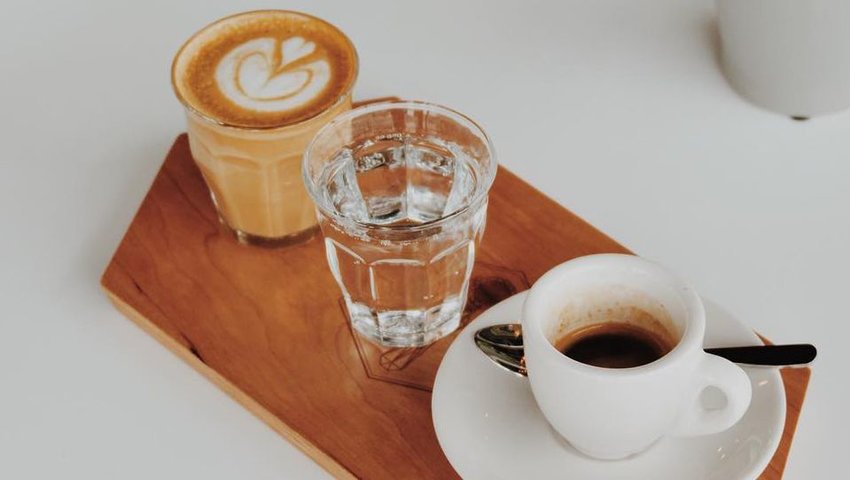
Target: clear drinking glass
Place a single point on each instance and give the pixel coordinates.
(401, 195)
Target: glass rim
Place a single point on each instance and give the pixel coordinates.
(221, 123)
(417, 105)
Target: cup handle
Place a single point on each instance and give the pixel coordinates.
(695, 420)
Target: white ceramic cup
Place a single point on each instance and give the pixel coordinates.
(789, 56)
(612, 413)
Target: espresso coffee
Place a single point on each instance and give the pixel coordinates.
(614, 345)
(620, 311)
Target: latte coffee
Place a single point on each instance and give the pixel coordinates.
(256, 87)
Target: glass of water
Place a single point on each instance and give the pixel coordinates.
(401, 195)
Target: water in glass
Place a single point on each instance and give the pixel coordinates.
(404, 254)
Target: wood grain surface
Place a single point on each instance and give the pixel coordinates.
(267, 326)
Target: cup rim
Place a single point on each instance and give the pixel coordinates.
(418, 105)
(235, 126)
(691, 336)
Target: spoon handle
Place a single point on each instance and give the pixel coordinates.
(796, 355)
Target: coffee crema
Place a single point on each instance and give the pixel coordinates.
(616, 329)
(614, 345)
(265, 69)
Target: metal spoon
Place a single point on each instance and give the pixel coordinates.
(503, 345)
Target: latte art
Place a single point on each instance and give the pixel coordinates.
(270, 75)
(265, 69)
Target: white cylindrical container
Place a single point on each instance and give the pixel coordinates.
(789, 56)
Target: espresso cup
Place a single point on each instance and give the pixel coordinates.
(612, 413)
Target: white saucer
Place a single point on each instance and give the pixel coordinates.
(490, 428)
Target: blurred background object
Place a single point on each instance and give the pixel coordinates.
(789, 56)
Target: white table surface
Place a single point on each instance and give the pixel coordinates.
(615, 108)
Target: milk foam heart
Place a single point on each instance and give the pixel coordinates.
(265, 69)
(269, 75)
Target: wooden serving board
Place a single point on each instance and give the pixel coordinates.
(267, 326)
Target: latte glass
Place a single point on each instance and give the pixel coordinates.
(253, 168)
(401, 194)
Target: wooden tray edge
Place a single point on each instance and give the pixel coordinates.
(321, 458)
(792, 417)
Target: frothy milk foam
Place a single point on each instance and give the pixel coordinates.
(257, 86)
(271, 75)
(265, 69)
